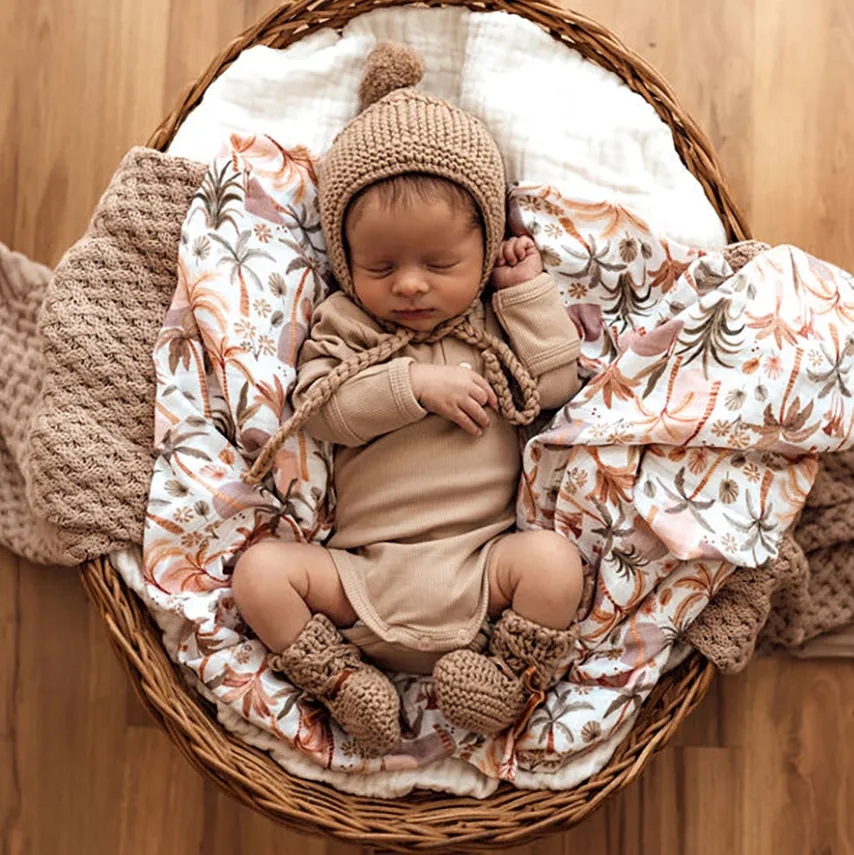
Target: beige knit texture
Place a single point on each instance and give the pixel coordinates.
(739, 254)
(489, 693)
(359, 697)
(409, 131)
(77, 417)
(388, 67)
(807, 591)
(22, 289)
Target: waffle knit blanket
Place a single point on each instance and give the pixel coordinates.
(77, 398)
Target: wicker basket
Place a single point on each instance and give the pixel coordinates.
(422, 821)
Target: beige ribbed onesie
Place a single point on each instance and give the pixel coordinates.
(421, 502)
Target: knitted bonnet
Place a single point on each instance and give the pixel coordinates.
(402, 130)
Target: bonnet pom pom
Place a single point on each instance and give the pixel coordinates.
(388, 67)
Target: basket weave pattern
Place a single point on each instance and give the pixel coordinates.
(422, 821)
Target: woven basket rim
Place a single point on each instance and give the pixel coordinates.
(421, 821)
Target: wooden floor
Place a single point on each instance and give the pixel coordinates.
(765, 765)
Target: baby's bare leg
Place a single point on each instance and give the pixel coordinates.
(539, 574)
(278, 586)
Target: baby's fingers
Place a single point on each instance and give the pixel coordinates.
(476, 412)
(491, 397)
(522, 248)
(466, 422)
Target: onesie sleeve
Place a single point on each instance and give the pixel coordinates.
(543, 336)
(377, 400)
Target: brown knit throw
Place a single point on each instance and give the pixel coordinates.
(807, 591)
(22, 289)
(77, 400)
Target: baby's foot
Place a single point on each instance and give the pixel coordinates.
(489, 693)
(359, 697)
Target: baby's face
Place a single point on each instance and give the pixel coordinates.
(415, 263)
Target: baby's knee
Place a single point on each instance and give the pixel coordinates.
(259, 571)
(554, 559)
(537, 554)
(549, 548)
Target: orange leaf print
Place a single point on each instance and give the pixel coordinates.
(285, 168)
(248, 689)
(617, 218)
(186, 575)
(666, 276)
(314, 735)
(613, 484)
(569, 227)
(569, 523)
(611, 382)
(771, 324)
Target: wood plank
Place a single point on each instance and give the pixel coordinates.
(799, 772)
(804, 179)
(69, 718)
(10, 680)
(99, 93)
(162, 805)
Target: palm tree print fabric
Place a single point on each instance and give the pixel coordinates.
(688, 453)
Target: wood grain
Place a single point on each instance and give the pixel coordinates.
(767, 762)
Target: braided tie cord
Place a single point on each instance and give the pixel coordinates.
(494, 353)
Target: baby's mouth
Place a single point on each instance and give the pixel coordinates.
(413, 313)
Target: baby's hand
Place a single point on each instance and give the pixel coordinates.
(518, 261)
(454, 392)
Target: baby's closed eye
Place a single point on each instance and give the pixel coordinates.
(443, 263)
(378, 269)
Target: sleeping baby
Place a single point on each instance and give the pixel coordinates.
(406, 371)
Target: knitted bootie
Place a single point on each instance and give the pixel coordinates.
(489, 693)
(359, 697)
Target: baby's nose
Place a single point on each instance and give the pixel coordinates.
(409, 284)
